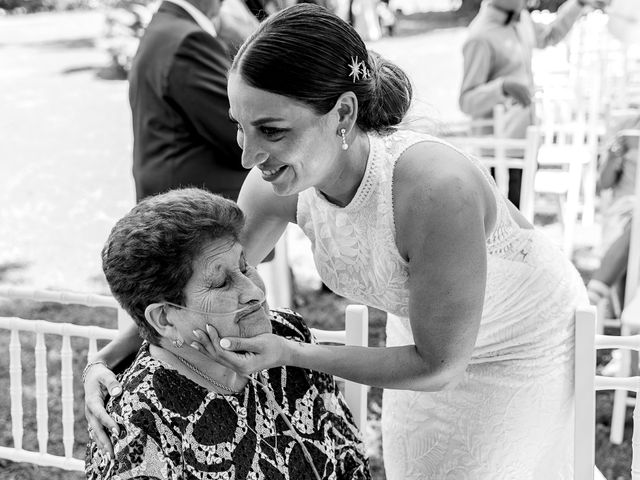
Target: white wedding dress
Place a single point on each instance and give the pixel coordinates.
(511, 417)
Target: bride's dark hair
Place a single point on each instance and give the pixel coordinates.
(304, 52)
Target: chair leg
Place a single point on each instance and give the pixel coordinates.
(618, 416)
(619, 412)
(589, 192)
(569, 225)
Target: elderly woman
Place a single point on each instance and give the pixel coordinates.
(175, 265)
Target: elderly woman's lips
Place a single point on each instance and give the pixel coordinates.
(249, 310)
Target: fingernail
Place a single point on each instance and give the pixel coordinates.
(209, 327)
(196, 334)
(115, 391)
(225, 343)
(195, 345)
(115, 431)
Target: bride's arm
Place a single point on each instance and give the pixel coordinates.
(99, 380)
(443, 209)
(266, 216)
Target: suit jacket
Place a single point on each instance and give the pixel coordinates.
(178, 96)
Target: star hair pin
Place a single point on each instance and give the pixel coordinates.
(358, 70)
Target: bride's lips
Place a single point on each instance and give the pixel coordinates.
(272, 174)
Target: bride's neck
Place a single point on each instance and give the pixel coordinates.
(219, 373)
(346, 179)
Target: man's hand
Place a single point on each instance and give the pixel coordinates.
(518, 91)
(598, 4)
(99, 381)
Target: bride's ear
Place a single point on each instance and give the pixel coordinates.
(156, 315)
(346, 109)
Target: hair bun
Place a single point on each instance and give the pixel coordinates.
(390, 96)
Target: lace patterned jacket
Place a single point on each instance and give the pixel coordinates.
(172, 428)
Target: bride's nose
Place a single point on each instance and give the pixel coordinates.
(252, 155)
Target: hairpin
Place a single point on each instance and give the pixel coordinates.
(358, 70)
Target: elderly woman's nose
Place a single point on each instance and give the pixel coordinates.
(250, 290)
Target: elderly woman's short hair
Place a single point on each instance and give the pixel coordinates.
(149, 254)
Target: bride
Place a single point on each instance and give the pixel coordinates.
(477, 369)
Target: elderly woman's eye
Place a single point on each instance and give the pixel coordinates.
(217, 284)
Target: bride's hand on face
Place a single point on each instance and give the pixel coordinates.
(244, 355)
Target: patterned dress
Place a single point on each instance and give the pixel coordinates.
(172, 428)
(511, 415)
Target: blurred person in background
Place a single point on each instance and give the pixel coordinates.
(182, 135)
(497, 64)
(617, 174)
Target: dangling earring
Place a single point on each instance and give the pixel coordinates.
(178, 342)
(345, 145)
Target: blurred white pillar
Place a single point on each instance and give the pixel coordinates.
(277, 277)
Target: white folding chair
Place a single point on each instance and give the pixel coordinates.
(356, 332)
(566, 160)
(587, 382)
(503, 154)
(65, 331)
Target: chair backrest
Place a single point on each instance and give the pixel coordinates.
(21, 330)
(52, 340)
(501, 154)
(587, 382)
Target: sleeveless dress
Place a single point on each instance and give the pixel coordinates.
(511, 417)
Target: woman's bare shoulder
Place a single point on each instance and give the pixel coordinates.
(432, 166)
(434, 183)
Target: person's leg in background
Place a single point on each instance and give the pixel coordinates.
(515, 181)
(612, 267)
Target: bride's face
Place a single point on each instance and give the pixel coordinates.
(293, 147)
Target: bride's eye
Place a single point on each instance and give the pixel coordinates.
(272, 132)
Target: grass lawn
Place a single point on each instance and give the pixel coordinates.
(321, 309)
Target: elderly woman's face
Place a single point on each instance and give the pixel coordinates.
(222, 282)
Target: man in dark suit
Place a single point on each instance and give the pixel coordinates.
(178, 96)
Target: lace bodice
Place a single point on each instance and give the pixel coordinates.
(355, 248)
